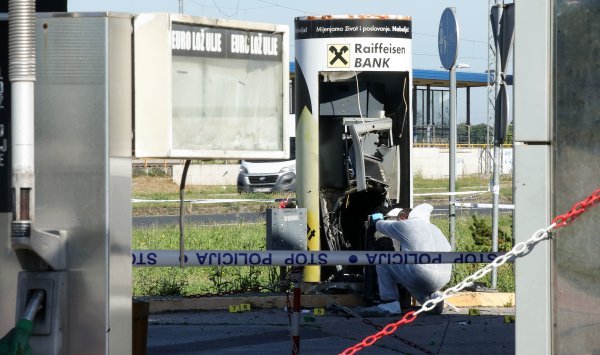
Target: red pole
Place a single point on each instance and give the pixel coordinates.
(297, 276)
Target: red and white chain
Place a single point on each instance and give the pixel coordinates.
(518, 250)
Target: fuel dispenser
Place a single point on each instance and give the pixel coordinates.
(66, 239)
(74, 258)
(353, 90)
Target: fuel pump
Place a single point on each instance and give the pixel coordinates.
(67, 231)
(41, 253)
(354, 127)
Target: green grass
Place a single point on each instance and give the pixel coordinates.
(163, 188)
(465, 183)
(160, 281)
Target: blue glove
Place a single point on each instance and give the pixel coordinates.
(376, 217)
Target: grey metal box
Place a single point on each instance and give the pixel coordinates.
(286, 229)
(83, 127)
(532, 67)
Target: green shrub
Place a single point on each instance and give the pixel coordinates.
(475, 234)
(481, 232)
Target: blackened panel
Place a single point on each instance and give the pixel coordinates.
(332, 173)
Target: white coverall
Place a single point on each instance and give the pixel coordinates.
(414, 234)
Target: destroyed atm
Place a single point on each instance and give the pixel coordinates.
(353, 89)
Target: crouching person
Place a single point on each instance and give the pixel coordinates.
(423, 281)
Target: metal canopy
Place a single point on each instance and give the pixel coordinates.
(424, 77)
(437, 78)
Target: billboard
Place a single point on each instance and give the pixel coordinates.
(210, 88)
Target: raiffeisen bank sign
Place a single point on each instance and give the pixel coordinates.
(359, 43)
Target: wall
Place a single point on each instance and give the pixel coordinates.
(208, 174)
(433, 163)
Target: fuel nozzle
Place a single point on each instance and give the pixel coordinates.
(34, 305)
(16, 341)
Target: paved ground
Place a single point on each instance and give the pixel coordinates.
(268, 332)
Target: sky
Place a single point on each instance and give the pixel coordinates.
(472, 19)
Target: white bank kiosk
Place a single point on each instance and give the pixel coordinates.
(353, 91)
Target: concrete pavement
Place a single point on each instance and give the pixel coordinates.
(262, 331)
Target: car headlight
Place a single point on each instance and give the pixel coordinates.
(243, 170)
(288, 169)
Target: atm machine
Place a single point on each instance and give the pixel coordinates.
(353, 90)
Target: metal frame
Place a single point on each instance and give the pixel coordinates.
(532, 112)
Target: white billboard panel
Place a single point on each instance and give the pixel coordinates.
(207, 88)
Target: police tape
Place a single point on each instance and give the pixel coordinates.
(145, 258)
(452, 193)
(484, 205)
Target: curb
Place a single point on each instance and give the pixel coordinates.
(174, 304)
(482, 299)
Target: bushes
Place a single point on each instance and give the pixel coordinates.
(475, 234)
(481, 232)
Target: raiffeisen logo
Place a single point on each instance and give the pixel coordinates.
(338, 56)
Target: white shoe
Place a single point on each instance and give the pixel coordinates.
(393, 308)
(382, 310)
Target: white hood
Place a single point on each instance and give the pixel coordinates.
(268, 167)
(422, 212)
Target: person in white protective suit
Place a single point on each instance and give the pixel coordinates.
(423, 281)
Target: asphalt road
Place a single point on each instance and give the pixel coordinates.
(256, 217)
(267, 331)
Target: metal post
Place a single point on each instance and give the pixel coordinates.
(496, 162)
(307, 183)
(428, 114)
(296, 277)
(22, 75)
(452, 156)
(468, 123)
(491, 87)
